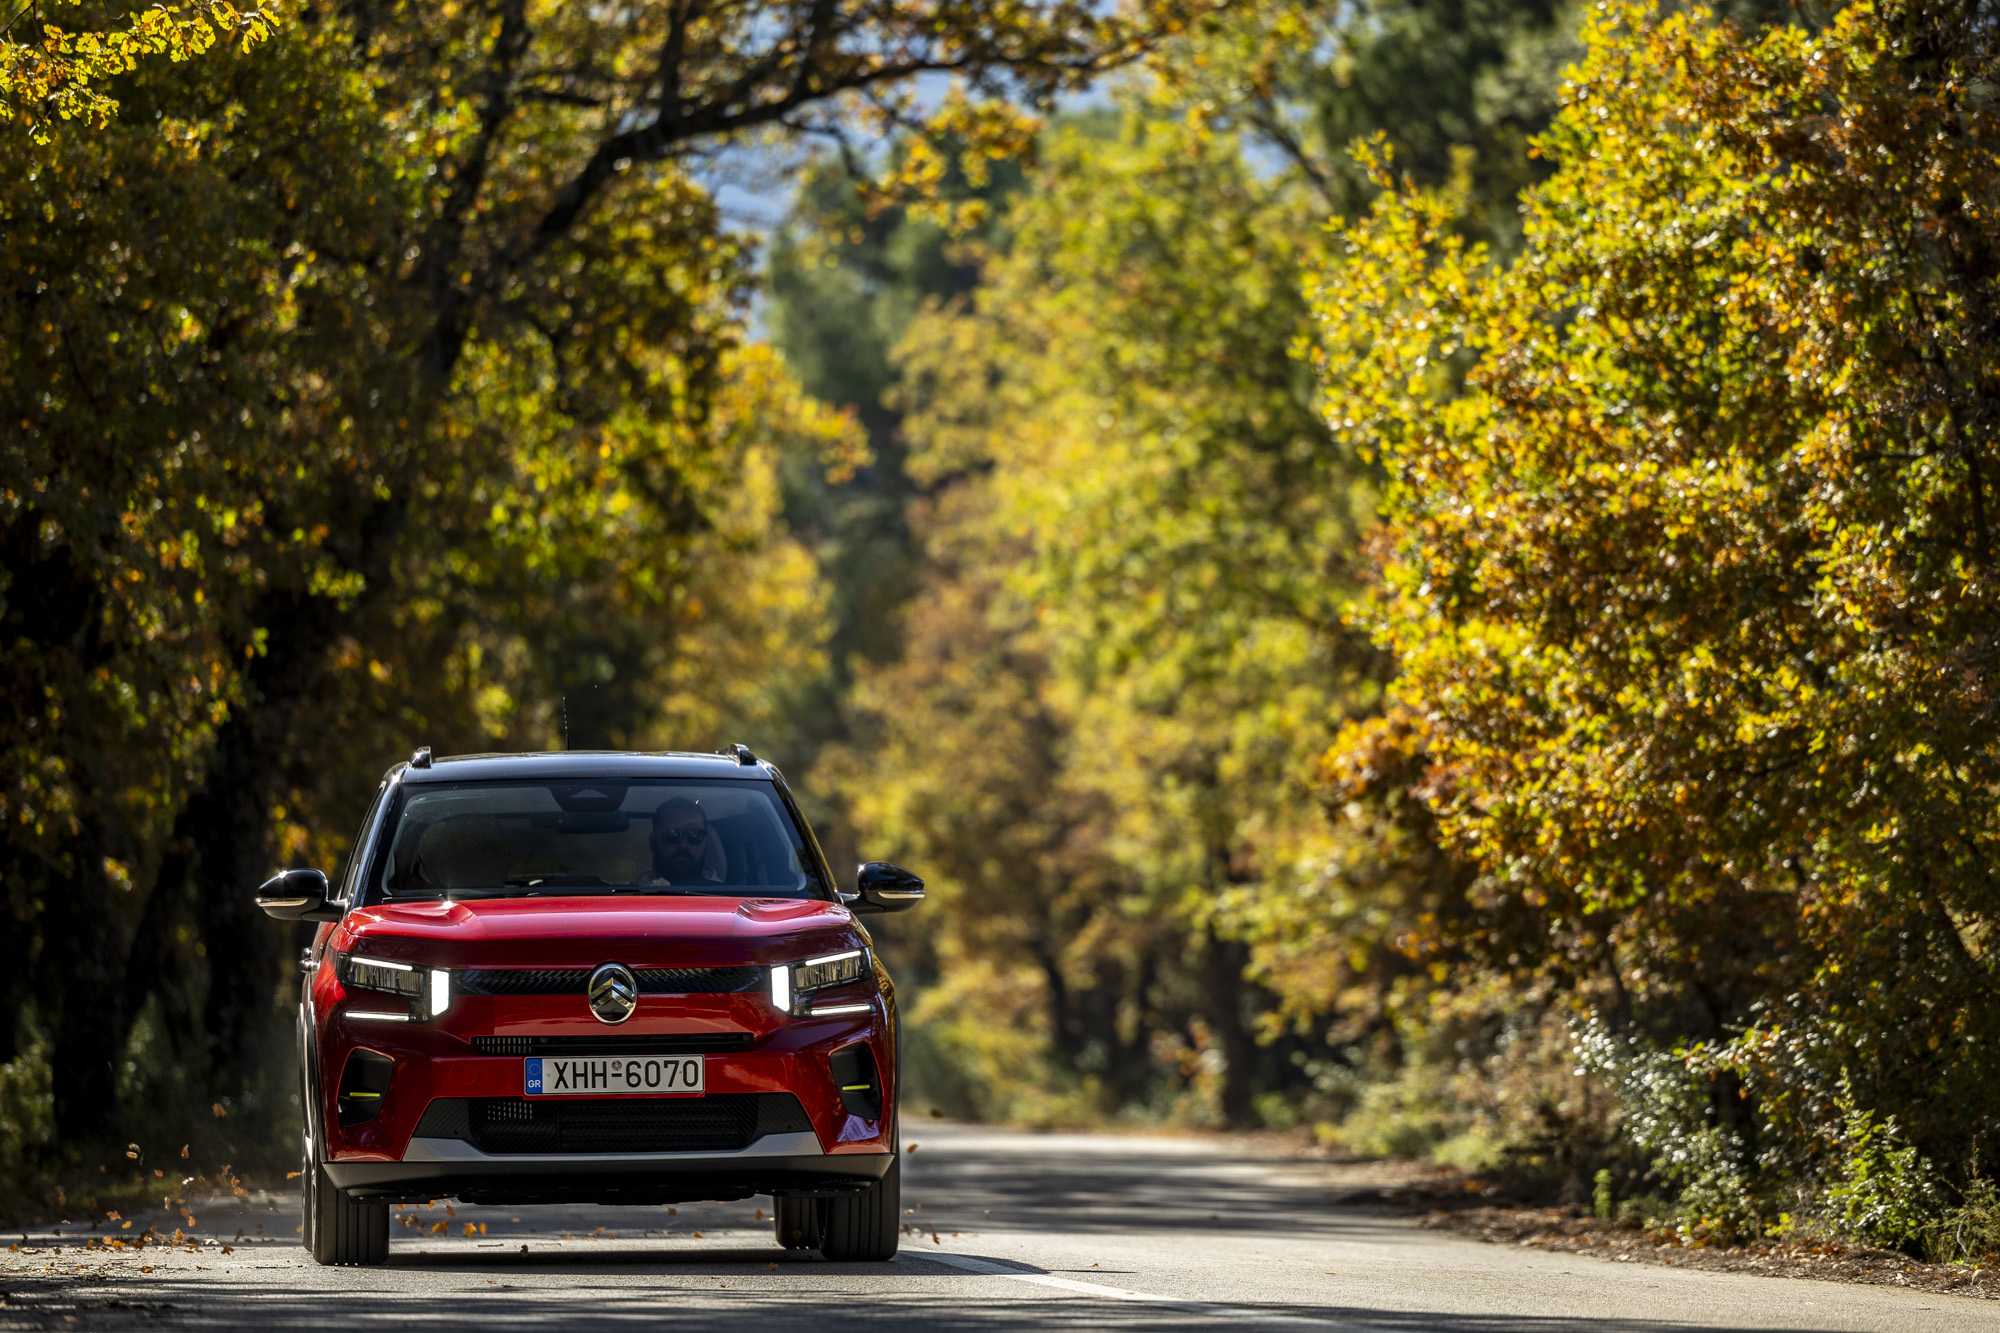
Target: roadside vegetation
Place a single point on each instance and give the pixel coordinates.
(1501, 678)
(1416, 574)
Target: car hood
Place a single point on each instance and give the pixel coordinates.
(585, 931)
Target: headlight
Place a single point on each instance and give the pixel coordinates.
(791, 984)
(828, 971)
(429, 986)
(379, 974)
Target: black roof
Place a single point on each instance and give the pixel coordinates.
(587, 764)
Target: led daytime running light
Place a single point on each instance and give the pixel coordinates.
(379, 974)
(428, 987)
(830, 970)
(792, 983)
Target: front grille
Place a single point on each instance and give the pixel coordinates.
(720, 1122)
(698, 980)
(623, 1043)
(571, 980)
(521, 981)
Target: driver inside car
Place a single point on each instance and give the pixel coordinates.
(684, 850)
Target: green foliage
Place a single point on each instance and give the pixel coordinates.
(435, 415)
(1969, 1231)
(1098, 721)
(1686, 570)
(846, 278)
(1128, 539)
(1459, 86)
(51, 73)
(1683, 1122)
(1879, 1188)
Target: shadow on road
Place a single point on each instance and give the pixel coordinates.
(923, 1293)
(1087, 1190)
(1193, 1217)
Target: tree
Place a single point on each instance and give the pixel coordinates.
(1687, 569)
(551, 148)
(846, 275)
(1133, 500)
(212, 453)
(1460, 87)
(1167, 537)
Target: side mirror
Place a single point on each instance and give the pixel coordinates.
(887, 888)
(297, 895)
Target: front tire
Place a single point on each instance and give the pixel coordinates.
(796, 1222)
(345, 1233)
(865, 1227)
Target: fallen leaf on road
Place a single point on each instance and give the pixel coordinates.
(770, 1268)
(911, 1148)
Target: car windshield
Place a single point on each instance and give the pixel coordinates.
(526, 839)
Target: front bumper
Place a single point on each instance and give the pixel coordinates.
(776, 1163)
(416, 1146)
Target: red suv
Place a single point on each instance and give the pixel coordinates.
(578, 977)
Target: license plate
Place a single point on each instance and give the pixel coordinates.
(587, 1077)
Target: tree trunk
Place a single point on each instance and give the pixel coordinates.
(1222, 964)
(83, 968)
(228, 826)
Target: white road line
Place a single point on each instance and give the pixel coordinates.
(1237, 1313)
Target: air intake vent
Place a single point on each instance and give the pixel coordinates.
(624, 1043)
(722, 1122)
(860, 1086)
(570, 980)
(363, 1083)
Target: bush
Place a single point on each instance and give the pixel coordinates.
(1668, 1112)
(1881, 1189)
(1970, 1232)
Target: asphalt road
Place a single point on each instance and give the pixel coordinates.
(1007, 1231)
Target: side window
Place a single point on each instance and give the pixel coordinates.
(350, 882)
